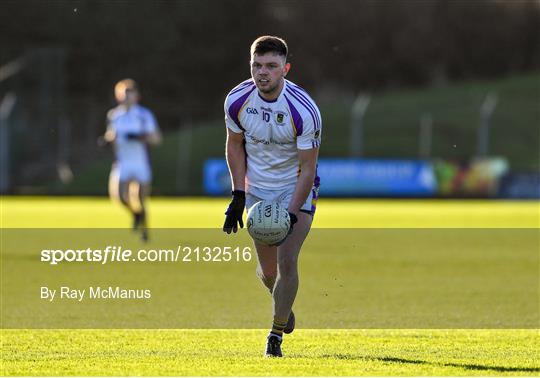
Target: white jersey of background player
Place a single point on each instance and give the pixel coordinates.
(131, 154)
(131, 128)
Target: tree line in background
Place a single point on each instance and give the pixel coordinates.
(187, 54)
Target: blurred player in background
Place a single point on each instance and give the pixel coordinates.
(273, 138)
(131, 128)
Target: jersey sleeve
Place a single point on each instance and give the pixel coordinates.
(229, 120)
(311, 133)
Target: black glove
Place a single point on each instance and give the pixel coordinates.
(235, 211)
(294, 219)
(134, 136)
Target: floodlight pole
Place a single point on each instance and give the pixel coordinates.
(486, 111)
(358, 111)
(185, 140)
(6, 106)
(62, 165)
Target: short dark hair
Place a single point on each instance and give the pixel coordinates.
(269, 43)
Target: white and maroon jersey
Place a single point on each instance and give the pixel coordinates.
(138, 120)
(274, 131)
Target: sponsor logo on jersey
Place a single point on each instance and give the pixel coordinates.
(251, 111)
(317, 134)
(265, 142)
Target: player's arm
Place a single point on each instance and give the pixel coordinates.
(236, 160)
(308, 166)
(308, 150)
(110, 133)
(154, 138)
(151, 135)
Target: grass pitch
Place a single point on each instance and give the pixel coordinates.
(57, 212)
(340, 352)
(238, 352)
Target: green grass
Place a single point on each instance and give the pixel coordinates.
(21, 212)
(354, 278)
(391, 130)
(238, 353)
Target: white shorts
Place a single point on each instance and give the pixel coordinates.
(283, 195)
(132, 172)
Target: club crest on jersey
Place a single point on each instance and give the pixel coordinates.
(280, 118)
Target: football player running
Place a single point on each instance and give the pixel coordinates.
(131, 128)
(273, 139)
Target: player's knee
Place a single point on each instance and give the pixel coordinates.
(124, 199)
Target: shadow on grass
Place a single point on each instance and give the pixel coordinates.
(421, 362)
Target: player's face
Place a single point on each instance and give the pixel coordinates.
(127, 96)
(268, 71)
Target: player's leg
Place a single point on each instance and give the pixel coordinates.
(114, 184)
(139, 187)
(119, 184)
(137, 192)
(267, 265)
(144, 192)
(267, 269)
(267, 273)
(122, 194)
(124, 188)
(266, 255)
(286, 285)
(119, 192)
(117, 188)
